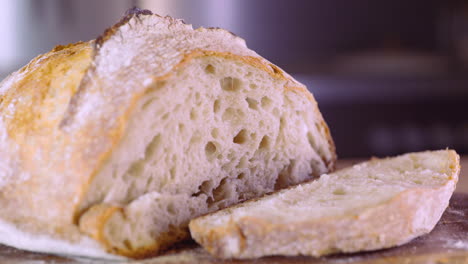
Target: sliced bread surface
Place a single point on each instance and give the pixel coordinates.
(373, 205)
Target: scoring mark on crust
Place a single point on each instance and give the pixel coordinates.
(135, 11)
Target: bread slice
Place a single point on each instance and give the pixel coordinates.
(112, 146)
(376, 204)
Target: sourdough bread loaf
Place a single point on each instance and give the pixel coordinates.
(373, 205)
(110, 147)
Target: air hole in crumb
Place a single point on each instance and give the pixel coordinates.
(193, 114)
(417, 181)
(173, 172)
(205, 187)
(253, 135)
(136, 169)
(285, 177)
(181, 127)
(275, 158)
(253, 86)
(282, 123)
(243, 163)
(197, 96)
(241, 137)
(311, 139)
(241, 176)
(216, 106)
(266, 102)
(223, 191)
(165, 116)
(339, 191)
(249, 74)
(230, 84)
(253, 104)
(210, 148)
(131, 192)
(149, 181)
(148, 103)
(318, 127)
(152, 146)
(265, 143)
(215, 132)
(170, 209)
(210, 69)
(155, 86)
(282, 181)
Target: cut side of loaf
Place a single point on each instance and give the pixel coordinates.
(217, 132)
(373, 205)
(113, 145)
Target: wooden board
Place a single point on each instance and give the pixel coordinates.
(447, 243)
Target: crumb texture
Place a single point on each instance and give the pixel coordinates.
(218, 132)
(372, 205)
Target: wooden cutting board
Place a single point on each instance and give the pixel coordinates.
(447, 243)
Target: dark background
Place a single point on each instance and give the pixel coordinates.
(390, 76)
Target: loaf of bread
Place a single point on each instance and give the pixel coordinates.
(372, 205)
(110, 147)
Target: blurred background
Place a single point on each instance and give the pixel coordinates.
(390, 76)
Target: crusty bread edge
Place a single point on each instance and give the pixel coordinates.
(210, 238)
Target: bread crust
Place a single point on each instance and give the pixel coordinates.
(411, 213)
(96, 101)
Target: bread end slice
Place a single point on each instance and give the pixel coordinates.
(373, 205)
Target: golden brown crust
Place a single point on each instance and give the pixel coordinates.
(93, 220)
(33, 102)
(35, 84)
(93, 223)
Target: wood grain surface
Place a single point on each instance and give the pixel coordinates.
(447, 243)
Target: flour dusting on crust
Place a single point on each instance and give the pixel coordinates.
(43, 243)
(9, 165)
